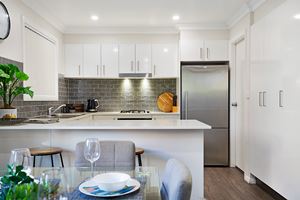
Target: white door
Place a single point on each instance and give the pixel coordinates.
(241, 112)
(143, 58)
(73, 60)
(216, 50)
(91, 60)
(127, 58)
(164, 60)
(110, 61)
(192, 50)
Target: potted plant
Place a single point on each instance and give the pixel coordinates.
(11, 78)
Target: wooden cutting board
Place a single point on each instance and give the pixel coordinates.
(165, 102)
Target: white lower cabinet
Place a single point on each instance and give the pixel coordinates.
(165, 60)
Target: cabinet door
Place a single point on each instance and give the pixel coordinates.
(73, 60)
(110, 61)
(143, 58)
(91, 60)
(127, 58)
(192, 50)
(165, 60)
(216, 50)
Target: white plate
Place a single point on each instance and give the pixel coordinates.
(90, 188)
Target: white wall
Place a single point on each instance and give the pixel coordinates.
(12, 47)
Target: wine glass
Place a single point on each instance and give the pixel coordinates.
(92, 151)
(21, 157)
(53, 185)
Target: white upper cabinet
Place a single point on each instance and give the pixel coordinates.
(73, 60)
(91, 60)
(216, 50)
(199, 50)
(143, 58)
(126, 58)
(110, 61)
(164, 60)
(192, 50)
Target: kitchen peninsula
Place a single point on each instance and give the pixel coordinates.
(161, 139)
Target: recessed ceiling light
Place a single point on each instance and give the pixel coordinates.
(297, 16)
(94, 17)
(176, 17)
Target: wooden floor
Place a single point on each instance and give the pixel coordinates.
(228, 184)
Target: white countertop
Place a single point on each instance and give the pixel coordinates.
(114, 125)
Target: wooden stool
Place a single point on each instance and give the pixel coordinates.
(138, 153)
(50, 151)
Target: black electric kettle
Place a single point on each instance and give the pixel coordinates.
(92, 105)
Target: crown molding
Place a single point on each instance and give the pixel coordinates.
(248, 7)
(204, 26)
(47, 16)
(121, 30)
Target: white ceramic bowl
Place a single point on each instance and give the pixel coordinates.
(111, 182)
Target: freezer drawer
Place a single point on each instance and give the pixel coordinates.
(216, 147)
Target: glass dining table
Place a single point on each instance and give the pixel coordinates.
(147, 176)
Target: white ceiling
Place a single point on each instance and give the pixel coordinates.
(75, 14)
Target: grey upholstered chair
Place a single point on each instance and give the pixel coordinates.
(113, 154)
(176, 182)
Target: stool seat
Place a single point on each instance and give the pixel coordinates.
(45, 151)
(138, 152)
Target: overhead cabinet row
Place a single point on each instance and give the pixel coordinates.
(119, 60)
(208, 50)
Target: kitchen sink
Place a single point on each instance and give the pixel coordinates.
(67, 115)
(50, 119)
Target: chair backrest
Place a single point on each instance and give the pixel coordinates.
(176, 182)
(113, 154)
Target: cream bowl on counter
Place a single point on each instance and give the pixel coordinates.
(111, 182)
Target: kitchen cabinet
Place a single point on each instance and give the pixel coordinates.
(127, 58)
(73, 60)
(110, 61)
(208, 50)
(164, 60)
(91, 60)
(274, 102)
(143, 58)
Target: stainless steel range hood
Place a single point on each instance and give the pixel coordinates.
(135, 75)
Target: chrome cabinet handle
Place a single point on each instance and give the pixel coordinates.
(138, 66)
(259, 99)
(281, 98)
(79, 70)
(201, 53)
(97, 70)
(264, 98)
(103, 70)
(132, 66)
(208, 53)
(154, 70)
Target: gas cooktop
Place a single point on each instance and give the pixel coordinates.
(135, 111)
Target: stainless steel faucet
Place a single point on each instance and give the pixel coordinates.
(50, 112)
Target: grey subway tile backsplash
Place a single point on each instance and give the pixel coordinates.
(113, 94)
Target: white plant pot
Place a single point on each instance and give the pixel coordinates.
(8, 113)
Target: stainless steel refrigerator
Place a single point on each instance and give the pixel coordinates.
(205, 97)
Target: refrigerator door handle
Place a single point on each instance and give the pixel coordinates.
(186, 105)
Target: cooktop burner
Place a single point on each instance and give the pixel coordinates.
(135, 111)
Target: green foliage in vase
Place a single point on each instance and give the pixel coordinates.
(11, 78)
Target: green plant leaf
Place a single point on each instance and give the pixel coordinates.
(22, 90)
(3, 74)
(19, 169)
(22, 76)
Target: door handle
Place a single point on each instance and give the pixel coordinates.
(281, 98)
(186, 105)
(234, 104)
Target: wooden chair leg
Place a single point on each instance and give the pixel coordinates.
(61, 160)
(140, 160)
(52, 163)
(33, 161)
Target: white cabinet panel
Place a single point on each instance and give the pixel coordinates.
(216, 50)
(127, 58)
(110, 61)
(73, 60)
(192, 50)
(143, 58)
(91, 60)
(165, 60)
